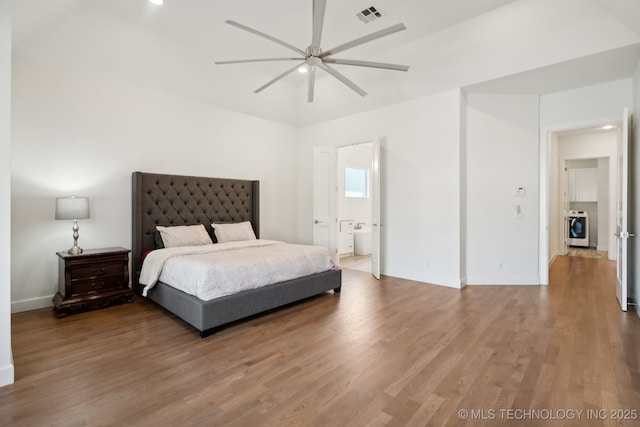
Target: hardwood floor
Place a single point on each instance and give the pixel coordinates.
(394, 352)
(587, 252)
(357, 262)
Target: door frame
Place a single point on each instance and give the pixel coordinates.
(376, 249)
(546, 141)
(622, 212)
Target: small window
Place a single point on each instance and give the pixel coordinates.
(355, 183)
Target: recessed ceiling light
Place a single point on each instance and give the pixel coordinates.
(158, 2)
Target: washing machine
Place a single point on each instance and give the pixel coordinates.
(578, 228)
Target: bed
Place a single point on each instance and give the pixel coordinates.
(172, 200)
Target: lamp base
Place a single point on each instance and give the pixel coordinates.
(75, 251)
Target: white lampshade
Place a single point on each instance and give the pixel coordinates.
(72, 207)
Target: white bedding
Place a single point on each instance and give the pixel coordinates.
(212, 271)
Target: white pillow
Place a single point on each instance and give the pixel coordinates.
(184, 235)
(234, 232)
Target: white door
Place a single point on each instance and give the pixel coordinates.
(622, 233)
(324, 199)
(375, 201)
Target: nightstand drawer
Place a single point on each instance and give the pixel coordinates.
(98, 270)
(92, 279)
(87, 286)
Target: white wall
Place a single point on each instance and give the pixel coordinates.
(420, 183)
(584, 107)
(553, 201)
(604, 206)
(82, 134)
(6, 359)
(494, 143)
(463, 196)
(502, 151)
(360, 157)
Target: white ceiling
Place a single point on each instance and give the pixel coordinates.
(515, 46)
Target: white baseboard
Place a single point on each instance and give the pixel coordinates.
(449, 285)
(463, 282)
(506, 280)
(448, 282)
(31, 304)
(438, 280)
(602, 248)
(7, 374)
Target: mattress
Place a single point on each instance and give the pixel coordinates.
(212, 271)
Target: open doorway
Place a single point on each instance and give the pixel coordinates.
(582, 192)
(586, 206)
(354, 206)
(326, 191)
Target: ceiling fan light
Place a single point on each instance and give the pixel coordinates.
(303, 69)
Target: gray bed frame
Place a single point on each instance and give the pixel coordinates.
(167, 200)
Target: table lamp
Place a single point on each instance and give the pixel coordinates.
(73, 208)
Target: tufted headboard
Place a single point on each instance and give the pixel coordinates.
(186, 200)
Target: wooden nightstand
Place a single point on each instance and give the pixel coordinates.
(92, 279)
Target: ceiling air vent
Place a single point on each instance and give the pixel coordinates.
(369, 14)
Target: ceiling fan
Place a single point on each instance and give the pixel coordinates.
(314, 57)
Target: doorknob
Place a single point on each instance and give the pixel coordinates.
(316, 221)
(624, 234)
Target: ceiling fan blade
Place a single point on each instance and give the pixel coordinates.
(364, 39)
(342, 78)
(311, 84)
(258, 60)
(266, 36)
(367, 64)
(319, 7)
(270, 82)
